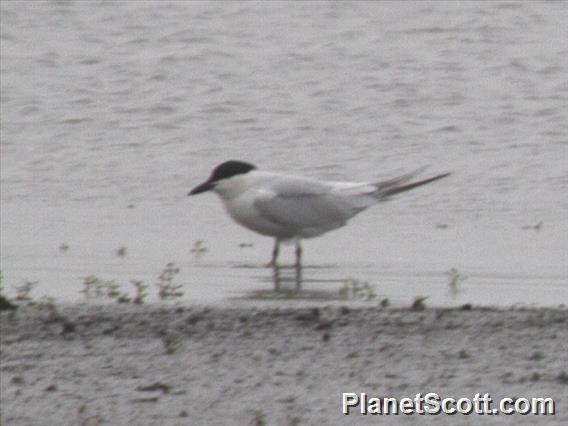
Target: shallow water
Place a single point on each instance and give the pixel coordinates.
(111, 112)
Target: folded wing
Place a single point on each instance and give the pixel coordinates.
(310, 208)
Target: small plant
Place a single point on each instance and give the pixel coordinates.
(198, 249)
(259, 418)
(23, 291)
(418, 304)
(384, 303)
(537, 227)
(166, 287)
(354, 289)
(123, 298)
(48, 304)
(140, 291)
(294, 421)
(121, 251)
(455, 278)
(112, 289)
(92, 287)
(171, 341)
(95, 287)
(5, 303)
(63, 247)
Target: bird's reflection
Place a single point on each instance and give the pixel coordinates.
(280, 276)
(295, 282)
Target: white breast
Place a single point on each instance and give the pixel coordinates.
(243, 211)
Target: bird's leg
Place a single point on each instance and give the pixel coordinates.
(275, 251)
(276, 278)
(298, 265)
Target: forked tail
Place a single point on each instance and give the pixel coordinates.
(394, 186)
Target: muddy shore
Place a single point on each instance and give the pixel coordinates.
(173, 365)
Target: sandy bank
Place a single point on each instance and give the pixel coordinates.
(146, 365)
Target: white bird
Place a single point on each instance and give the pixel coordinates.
(291, 207)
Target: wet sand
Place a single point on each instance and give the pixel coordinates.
(90, 364)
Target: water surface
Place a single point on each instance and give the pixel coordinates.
(112, 111)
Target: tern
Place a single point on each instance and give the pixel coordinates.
(290, 208)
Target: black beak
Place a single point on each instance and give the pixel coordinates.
(205, 186)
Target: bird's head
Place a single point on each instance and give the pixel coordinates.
(223, 176)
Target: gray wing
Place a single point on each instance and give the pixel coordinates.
(306, 207)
